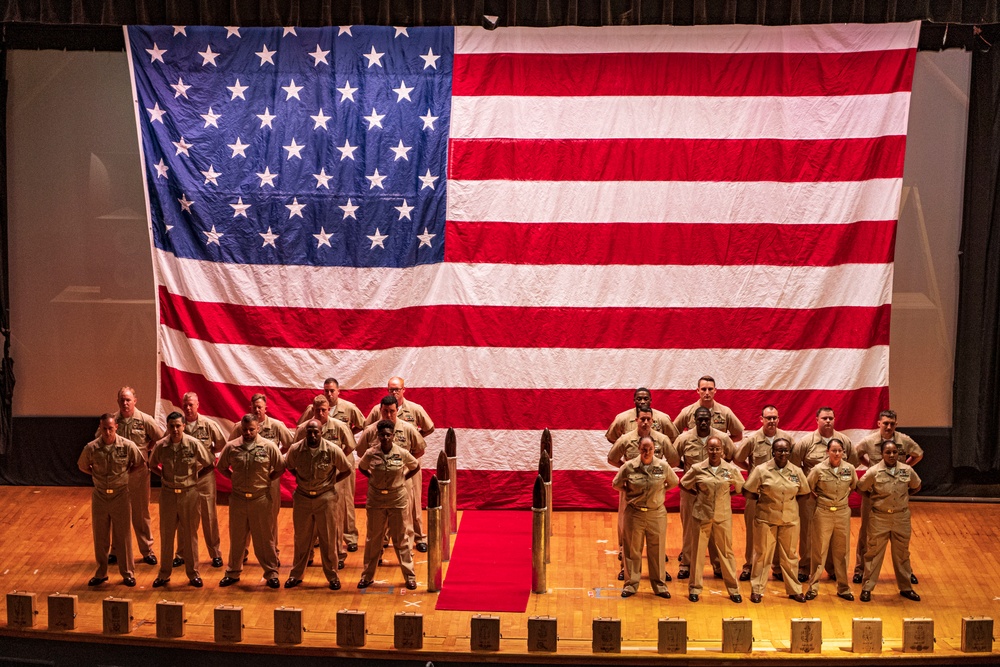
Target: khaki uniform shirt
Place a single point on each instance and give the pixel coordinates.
(754, 449)
(253, 466)
(626, 447)
(777, 488)
(811, 449)
(345, 411)
(832, 488)
(889, 492)
(333, 430)
(871, 447)
(645, 486)
(723, 418)
(408, 412)
(715, 489)
(406, 437)
(269, 429)
(180, 462)
(388, 471)
(692, 450)
(207, 432)
(316, 469)
(109, 465)
(140, 429)
(626, 421)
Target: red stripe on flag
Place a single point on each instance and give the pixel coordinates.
(685, 244)
(704, 74)
(713, 160)
(499, 326)
(536, 409)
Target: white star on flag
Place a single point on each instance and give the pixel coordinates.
(321, 119)
(344, 30)
(347, 93)
(349, 210)
(180, 30)
(156, 113)
(374, 120)
(322, 179)
(266, 177)
(291, 90)
(430, 60)
(295, 208)
(182, 147)
(211, 176)
(238, 90)
(404, 210)
(428, 120)
(266, 118)
(269, 238)
(239, 148)
(208, 56)
(180, 88)
(155, 53)
(376, 180)
(378, 239)
(211, 118)
(402, 93)
(322, 239)
(427, 180)
(239, 208)
(265, 55)
(347, 150)
(374, 58)
(232, 30)
(400, 31)
(294, 150)
(185, 203)
(319, 56)
(401, 151)
(289, 30)
(213, 237)
(161, 169)
(425, 238)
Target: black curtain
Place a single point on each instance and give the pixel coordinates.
(6, 363)
(976, 396)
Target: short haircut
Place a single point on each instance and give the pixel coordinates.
(127, 388)
(784, 440)
(638, 389)
(321, 400)
(706, 378)
(247, 419)
(821, 410)
(835, 440)
(891, 414)
(385, 423)
(107, 415)
(388, 400)
(705, 410)
(174, 415)
(189, 394)
(639, 411)
(258, 397)
(331, 381)
(769, 407)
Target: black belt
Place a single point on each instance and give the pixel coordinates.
(312, 494)
(206, 471)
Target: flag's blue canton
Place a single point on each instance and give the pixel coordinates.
(212, 148)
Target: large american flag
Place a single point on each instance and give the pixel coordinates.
(525, 224)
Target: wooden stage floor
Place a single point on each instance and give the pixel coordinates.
(45, 547)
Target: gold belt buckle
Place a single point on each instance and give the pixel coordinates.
(109, 491)
(642, 509)
(384, 492)
(888, 511)
(248, 495)
(178, 490)
(311, 493)
(833, 509)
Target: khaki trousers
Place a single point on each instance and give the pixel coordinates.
(866, 510)
(391, 521)
(722, 533)
(884, 528)
(830, 536)
(311, 517)
(209, 515)
(251, 519)
(110, 516)
(275, 510)
(179, 515)
(345, 496)
(748, 552)
(689, 533)
(138, 491)
(785, 539)
(412, 519)
(649, 527)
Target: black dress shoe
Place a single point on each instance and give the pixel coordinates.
(292, 582)
(217, 562)
(798, 597)
(755, 598)
(683, 574)
(627, 593)
(411, 584)
(341, 564)
(910, 595)
(112, 559)
(803, 578)
(159, 583)
(832, 576)
(663, 594)
(778, 576)
(811, 595)
(197, 582)
(352, 547)
(736, 597)
(913, 579)
(335, 585)
(745, 575)
(849, 596)
(717, 574)
(667, 559)
(129, 581)
(364, 583)
(273, 583)
(228, 581)
(178, 561)
(693, 597)
(621, 575)
(422, 547)
(866, 596)
(149, 559)
(96, 581)
(667, 577)
(857, 578)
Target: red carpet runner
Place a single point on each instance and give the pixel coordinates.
(490, 567)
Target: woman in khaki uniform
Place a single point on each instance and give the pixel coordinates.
(775, 486)
(831, 481)
(644, 481)
(712, 482)
(889, 484)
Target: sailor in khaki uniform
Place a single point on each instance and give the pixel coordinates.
(775, 485)
(753, 450)
(644, 481)
(712, 482)
(143, 430)
(108, 460)
(387, 468)
(318, 465)
(723, 419)
(208, 433)
(626, 421)
(890, 485)
(348, 413)
(870, 452)
(252, 463)
(690, 447)
(806, 453)
(626, 448)
(831, 481)
(178, 459)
